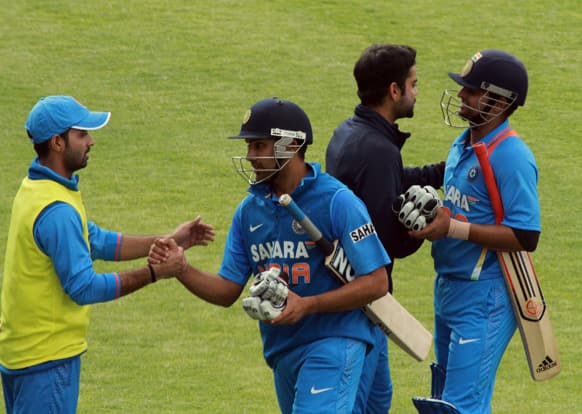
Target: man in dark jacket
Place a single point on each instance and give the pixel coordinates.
(364, 153)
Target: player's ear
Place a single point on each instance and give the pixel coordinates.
(394, 91)
(57, 143)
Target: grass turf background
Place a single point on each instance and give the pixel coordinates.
(178, 76)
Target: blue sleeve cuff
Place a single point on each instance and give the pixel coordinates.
(99, 288)
(105, 244)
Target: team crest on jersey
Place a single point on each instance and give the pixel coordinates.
(297, 228)
(473, 173)
(362, 232)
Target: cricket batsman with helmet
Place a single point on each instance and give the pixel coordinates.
(315, 336)
(474, 319)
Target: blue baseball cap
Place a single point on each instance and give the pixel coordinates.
(53, 115)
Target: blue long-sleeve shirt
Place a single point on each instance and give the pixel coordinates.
(58, 232)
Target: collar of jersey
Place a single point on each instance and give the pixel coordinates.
(464, 137)
(37, 171)
(264, 190)
(377, 121)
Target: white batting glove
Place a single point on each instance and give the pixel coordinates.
(270, 311)
(269, 286)
(252, 307)
(261, 310)
(410, 196)
(417, 206)
(429, 203)
(268, 296)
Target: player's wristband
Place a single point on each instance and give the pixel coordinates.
(459, 229)
(152, 273)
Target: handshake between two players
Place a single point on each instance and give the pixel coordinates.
(268, 293)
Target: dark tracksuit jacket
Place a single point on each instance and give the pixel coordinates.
(364, 153)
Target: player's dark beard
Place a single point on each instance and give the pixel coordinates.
(405, 111)
(74, 161)
(484, 113)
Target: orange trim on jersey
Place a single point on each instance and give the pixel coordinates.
(483, 152)
(504, 133)
(118, 248)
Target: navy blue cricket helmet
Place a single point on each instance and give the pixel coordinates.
(275, 118)
(495, 71)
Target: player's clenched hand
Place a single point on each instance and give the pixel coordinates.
(175, 262)
(159, 251)
(297, 308)
(436, 229)
(193, 233)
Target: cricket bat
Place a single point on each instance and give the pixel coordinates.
(394, 320)
(525, 291)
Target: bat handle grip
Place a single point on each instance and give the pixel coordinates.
(314, 234)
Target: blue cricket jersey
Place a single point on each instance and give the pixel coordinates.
(263, 234)
(467, 199)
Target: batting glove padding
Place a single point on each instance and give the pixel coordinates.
(268, 295)
(417, 206)
(269, 286)
(262, 310)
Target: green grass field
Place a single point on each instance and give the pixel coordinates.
(178, 76)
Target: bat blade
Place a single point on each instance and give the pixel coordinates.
(386, 312)
(400, 326)
(532, 316)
